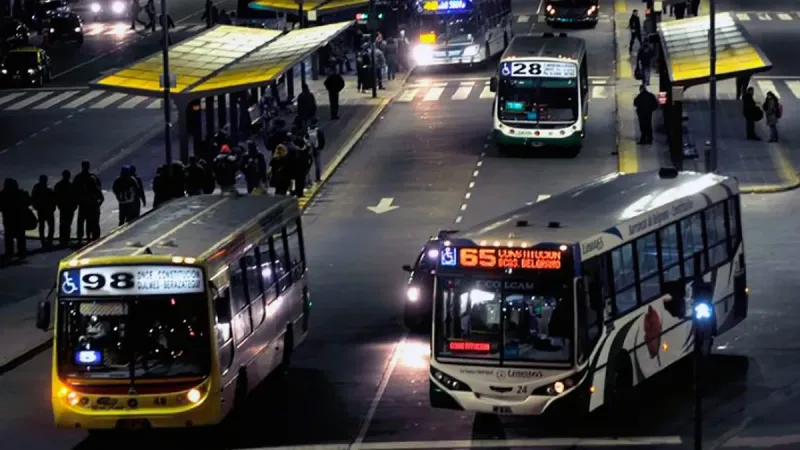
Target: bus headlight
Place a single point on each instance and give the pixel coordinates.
(95, 7)
(423, 54)
(118, 7)
(413, 294)
(449, 382)
(193, 395)
(472, 50)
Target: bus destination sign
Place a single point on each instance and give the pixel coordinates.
(534, 69)
(110, 281)
(500, 258)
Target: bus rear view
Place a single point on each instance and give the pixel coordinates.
(504, 328)
(575, 12)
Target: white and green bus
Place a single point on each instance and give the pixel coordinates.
(541, 93)
(567, 304)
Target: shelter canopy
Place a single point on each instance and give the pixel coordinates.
(320, 6)
(686, 50)
(222, 60)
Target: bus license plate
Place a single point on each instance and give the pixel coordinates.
(502, 410)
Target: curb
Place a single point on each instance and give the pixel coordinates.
(26, 356)
(769, 188)
(350, 144)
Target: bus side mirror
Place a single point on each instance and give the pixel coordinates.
(222, 307)
(493, 84)
(407, 268)
(43, 316)
(676, 304)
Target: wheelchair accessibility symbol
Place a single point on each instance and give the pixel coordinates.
(70, 283)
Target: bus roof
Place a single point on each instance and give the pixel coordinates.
(191, 226)
(596, 207)
(546, 45)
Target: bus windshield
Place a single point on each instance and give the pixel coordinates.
(162, 336)
(538, 100)
(529, 321)
(449, 26)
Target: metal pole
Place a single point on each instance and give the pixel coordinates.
(302, 25)
(711, 165)
(165, 62)
(371, 18)
(698, 394)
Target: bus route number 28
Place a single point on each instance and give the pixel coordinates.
(522, 69)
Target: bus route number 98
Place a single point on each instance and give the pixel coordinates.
(117, 280)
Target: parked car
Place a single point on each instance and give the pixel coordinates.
(25, 67)
(64, 26)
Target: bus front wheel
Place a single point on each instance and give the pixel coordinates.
(619, 382)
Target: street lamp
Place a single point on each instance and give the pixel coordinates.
(703, 321)
(166, 82)
(711, 165)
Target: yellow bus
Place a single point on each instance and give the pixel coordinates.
(170, 321)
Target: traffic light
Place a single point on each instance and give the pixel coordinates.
(702, 295)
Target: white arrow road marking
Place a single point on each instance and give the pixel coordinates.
(385, 205)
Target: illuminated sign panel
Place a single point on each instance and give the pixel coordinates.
(466, 346)
(111, 281)
(501, 258)
(542, 69)
(444, 5)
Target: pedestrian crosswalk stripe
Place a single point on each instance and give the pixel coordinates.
(29, 101)
(408, 95)
(784, 16)
(599, 92)
(742, 16)
(767, 86)
(433, 94)
(763, 16)
(156, 104)
(82, 100)
(794, 86)
(524, 19)
(132, 102)
(107, 101)
(7, 98)
(55, 100)
(462, 93)
(487, 93)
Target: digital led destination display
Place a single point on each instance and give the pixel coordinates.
(467, 346)
(501, 258)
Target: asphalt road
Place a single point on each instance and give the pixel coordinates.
(360, 379)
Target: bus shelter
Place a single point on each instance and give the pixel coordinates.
(312, 8)
(684, 61)
(226, 62)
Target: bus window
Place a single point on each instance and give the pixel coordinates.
(716, 234)
(670, 253)
(733, 222)
(539, 327)
(469, 321)
(242, 327)
(647, 252)
(538, 100)
(267, 275)
(692, 239)
(624, 278)
(279, 262)
(296, 258)
(254, 289)
(224, 342)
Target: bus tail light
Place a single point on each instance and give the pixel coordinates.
(449, 382)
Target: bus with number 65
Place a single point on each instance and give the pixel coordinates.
(171, 320)
(569, 303)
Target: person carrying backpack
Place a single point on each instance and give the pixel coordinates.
(127, 191)
(773, 111)
(316, 140)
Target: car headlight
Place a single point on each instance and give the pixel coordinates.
(423, 54)
(118, 7)
(31, 71)
(413, 294)
(95, 7)
(52, 30)
(472, 50)
(592, 10)
(77, 29)
(3, 71)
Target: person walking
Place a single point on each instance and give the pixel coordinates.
(316, 140)
(773, 111)
(67, 203)
(644, 62)
(280, 170)
(301, 164)
(391, 58)
(306, 105)
(752, 114)
(15, 207)
(43, 200)
(334, 84)
(142, 203)
(254, 168)
(225, 169)
(126, 189)
(635, 27)
(646, 104)
(89, 191)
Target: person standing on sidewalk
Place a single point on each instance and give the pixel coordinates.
(301, 164)
(635, 25)
(646, 104)
(334, 84)
(773, 110)
(126, 189)
(66, 202)
(316, 139)
(391, 58)
(43, 200)
(90, 198)
(742, 82)
(306, 105)
(280, 170)
(225, 169)
(752, 114)
(142, 197)
(644, 62)
(254, 168)
(195, 177)
(680, 9)
(14, 206)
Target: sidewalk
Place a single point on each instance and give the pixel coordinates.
(759, 166)
(28, 283)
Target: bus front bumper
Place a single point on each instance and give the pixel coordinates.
(534, 405)
(529, 140)
(593, 19)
